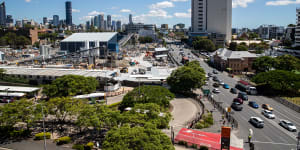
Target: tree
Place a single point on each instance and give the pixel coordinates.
(146, 39)
(137, 138)
(253, 35)
(287, 62)
(279, 80)
(141, 114)
(147, 94)
(2, 73)
(241, 48)
(233, 46)
(71, 85)
(263, 64)
(287, 43)
(22, 41)
(204, 44)
(186, 78)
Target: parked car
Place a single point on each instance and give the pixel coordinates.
(216, 91)
(215, 71)
(288, 125)
(237, 106)
(216, 85)
(243, 96)
(268, 114)
(233, 90)
(226, 86)
(253, 104)
(267, 107)
(257, 122)
(210, 74)
(238, 100)
(215, 78)
(221, 82)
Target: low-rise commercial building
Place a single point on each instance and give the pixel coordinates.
(84, 41)
(136, 27)
(235, 62)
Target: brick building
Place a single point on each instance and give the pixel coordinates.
(234, 61)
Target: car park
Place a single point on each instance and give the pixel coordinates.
(237, 106)
(233, 90)
(267, 107)
(216, 91)
(226, 86)
(257, 122)
(238, 100)
(253, 104)
(243, 96)
(288, 125)
(268, 114)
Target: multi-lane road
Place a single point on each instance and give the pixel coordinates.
(272, 136)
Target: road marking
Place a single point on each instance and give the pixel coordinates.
(2, 148)
(274, 143)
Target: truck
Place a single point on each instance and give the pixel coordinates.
(246, 87)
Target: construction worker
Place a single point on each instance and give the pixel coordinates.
(249, 138)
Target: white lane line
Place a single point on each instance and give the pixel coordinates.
(274, 143)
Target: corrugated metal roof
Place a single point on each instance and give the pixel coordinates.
(98, 36)
(18, 89)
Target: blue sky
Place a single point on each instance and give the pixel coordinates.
(246, 13)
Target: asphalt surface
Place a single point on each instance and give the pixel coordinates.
(272, 136)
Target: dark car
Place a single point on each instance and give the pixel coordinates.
(238, 100)
(216, 85)
(215, 78)
(209, 74)
(243, 96)
(237, 106)
(233, 90)
(253, 104)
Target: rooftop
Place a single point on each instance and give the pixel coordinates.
(228, 54)
(161, 49)
(99, 36)
(18, 89)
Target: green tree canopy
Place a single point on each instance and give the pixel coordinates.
(71, 85)
(186, 78)
(279, 80)
(147, 94)
(287, 62)
(233, 46)
(264, 64)
(204, 44)
(241, 48)
(137, 138)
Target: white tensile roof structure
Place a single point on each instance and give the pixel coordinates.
(98, 36)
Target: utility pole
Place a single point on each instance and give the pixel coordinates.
(298, 143)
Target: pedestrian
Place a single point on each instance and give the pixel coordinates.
(232, 126)
(224, 122)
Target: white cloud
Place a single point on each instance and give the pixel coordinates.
(179, 0)
(241, 3)
(113, 8)
(86, 18)
(164, 4)
(27, 1)
(282, 2)
(158, 13)
(75, 10)
(125, 10)
(183, 14)
(95, 13)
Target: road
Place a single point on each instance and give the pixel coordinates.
(272, 136)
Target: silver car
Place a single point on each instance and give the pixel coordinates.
(268, 114)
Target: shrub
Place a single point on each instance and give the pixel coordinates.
(89, 146)
(195, 146)
(78, 147)
(203, 148)
(181, 142)
(40, 136)
(63, 140)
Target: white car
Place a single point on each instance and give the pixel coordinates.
(288, 125)
(268, 114)
(221, 82)
(216, 91)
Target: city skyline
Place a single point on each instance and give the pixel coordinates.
(245, 13)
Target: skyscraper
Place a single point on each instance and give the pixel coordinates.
(119, 26)
(2, 14)
(69, 13)
(55, 20)
(212, 16)
(88, 25)
(96, 22)
(297, 33)
(109, 22)
(101, 21)
(105, 25)
(45, 20)
(113, 25)
(130, 19)
(9, 19)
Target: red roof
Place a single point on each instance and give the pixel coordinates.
(244, 82)
(211, 140)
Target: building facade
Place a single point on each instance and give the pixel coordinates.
(164, 26)
(108, 19)
(69, 13)
(2, 14)
(130, 19)
(297, 32)
(119, 25)
(236, 62)
(136, 27)
(212, 16)
(270, 32)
